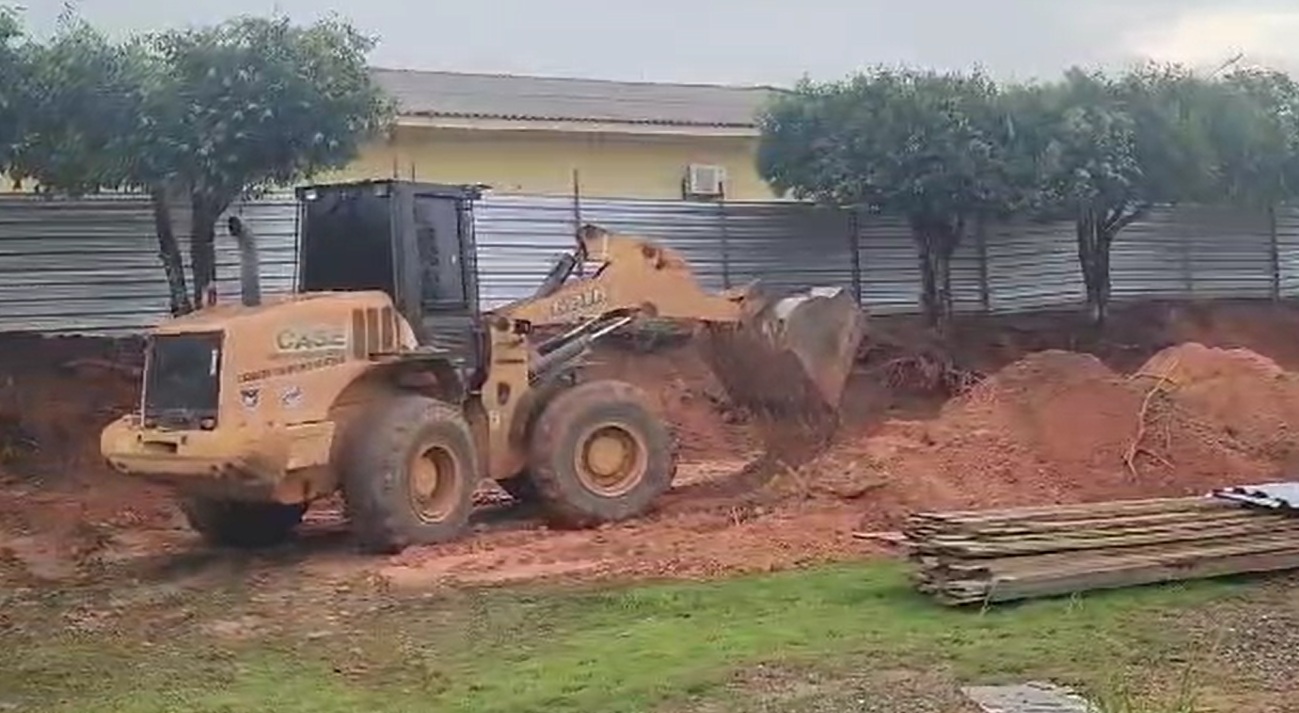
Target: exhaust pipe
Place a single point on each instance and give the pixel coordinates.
(250, 279)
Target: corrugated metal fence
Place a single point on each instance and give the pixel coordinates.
(91, 266)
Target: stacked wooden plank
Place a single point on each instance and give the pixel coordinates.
(996, 556)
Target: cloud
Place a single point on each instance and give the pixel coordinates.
(1208, 37)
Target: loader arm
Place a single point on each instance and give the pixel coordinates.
(784, 358)
(634, 277)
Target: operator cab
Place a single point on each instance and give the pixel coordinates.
(414, 241)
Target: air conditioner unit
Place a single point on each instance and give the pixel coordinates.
(703, 181)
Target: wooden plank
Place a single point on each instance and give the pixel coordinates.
(1017, 528)
(1096, 558)
(1147, 574)
(1088, 541)
(971, 557)
(1050, 512)
(1099, 561)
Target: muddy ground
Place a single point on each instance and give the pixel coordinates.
(1018, 410)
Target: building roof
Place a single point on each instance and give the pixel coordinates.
(520, 98)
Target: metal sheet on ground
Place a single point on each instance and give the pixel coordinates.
(1279, 496)
(1029, 697)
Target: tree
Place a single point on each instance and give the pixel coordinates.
(935, 148)
(207, 115)
(91, 109)
(1110, 149)
(13, 80)
(259, 103)
(1254, 127)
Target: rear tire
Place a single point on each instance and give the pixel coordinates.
(409, 474)
(597, 454)
(239, 524)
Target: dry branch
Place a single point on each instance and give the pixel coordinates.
(1135, 448)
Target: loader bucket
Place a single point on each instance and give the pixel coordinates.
(787, 361)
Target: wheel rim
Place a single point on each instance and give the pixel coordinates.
(434, 483)
(611, 459)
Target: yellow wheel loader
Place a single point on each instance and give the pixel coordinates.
(381, 377)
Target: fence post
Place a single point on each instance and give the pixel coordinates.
(981, 244)
(726, 244)
(854, 251)
(1274, 250)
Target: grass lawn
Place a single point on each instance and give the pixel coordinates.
(673, 647)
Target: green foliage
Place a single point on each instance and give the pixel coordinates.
(920, 144)
(255, 102)
(1117, 146)
(1118, 695)
(1170, 114)
(1102, 150)
(935, 148)
(1109, 149)
(85, 108)
(618, 649)
(205, 114)
(1254, 127)
(12, 85)
(1084, 140)
(219, 111)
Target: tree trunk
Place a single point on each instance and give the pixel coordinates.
(937, 242)
(202, 246)
(169, 253)
(1094, 240)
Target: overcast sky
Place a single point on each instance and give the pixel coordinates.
(759, 41)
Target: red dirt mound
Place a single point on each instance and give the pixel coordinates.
(686, 395)
(55, 397)
(1055, 426)
(1062, 427)
(1241, 399)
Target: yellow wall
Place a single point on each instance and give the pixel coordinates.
(609, 165)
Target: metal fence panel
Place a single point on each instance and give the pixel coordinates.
(890, 270)
(788, 247)
(1150, 259)
(1287, 238)
(83, 265)
(966, 277)
(1033, 265)
(693, 229)
(91, 265)
(1193, 251)
(517, 238)
(1230, 252)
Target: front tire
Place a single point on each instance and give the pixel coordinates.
(239, 524)
(597, 454)
(409, 474)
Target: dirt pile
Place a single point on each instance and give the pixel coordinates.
(1053, 426)
(55, 397)
(1242, 400)
(59, 504)
(682, 391)
(1062, 427)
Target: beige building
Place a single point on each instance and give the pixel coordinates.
(531, 134)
